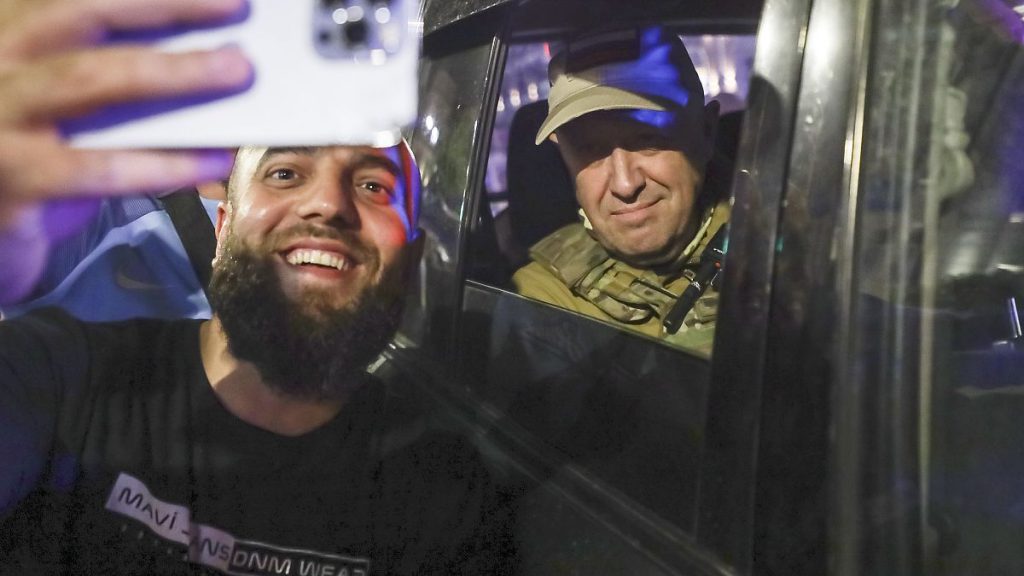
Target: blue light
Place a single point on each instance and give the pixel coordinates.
(656, 118)
(653, 74)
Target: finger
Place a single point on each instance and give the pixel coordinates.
(74, 84)
(133, 14)
(39, 168)
(35, 27)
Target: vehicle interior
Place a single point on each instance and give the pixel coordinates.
(957, 244)
(876, 303)
(528, 192)
(595, 433)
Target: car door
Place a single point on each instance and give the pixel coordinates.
(916, 296)
(621, 453)
(859, 413)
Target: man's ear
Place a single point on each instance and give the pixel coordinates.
(221, 227)
(711, 114)
(553, 137)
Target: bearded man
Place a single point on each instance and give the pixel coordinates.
(255, 442)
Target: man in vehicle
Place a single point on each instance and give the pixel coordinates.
(252, 443)
(627, 112)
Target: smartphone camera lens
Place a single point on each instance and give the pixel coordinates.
(356, 32)
(359, 30)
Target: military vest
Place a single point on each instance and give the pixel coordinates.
(628, 294)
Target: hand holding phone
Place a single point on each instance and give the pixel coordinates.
(326, 72)
(51, 70)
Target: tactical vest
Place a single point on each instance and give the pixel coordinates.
(625, 293)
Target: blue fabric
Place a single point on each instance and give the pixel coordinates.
(128, 263)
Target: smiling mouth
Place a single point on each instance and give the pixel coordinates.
(319, 258)
(634, 208)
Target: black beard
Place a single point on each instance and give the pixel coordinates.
(304, 350)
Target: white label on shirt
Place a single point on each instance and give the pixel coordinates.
(218, 549)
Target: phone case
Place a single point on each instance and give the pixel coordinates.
(326, 72)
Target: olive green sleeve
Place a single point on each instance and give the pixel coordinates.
(536, 282)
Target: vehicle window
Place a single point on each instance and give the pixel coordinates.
(530, 195)
(589, 409)
(453, 82)
(940, 288)
(722, 61)
(591, 396)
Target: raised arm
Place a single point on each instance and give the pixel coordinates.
(53, 67)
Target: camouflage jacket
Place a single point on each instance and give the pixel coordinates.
(571, 270)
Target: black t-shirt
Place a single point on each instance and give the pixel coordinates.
(117, 458)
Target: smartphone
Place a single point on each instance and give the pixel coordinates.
(326, 72)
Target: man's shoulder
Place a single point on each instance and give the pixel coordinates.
(568, 253)
(538, 282)
(56, 329)
(50, 316)
(57, 315)
(65, 362)
(557, 262)
(531, 273)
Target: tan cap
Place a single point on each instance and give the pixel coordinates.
(646, 69)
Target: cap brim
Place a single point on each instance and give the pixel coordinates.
(591, 100)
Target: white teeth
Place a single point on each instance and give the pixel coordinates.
(319, 258)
